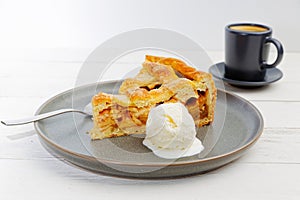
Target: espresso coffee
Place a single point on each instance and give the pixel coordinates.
(249, 28)
(246, 51)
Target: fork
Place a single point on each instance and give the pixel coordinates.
(86, 111)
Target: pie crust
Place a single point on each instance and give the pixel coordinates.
(161, 80)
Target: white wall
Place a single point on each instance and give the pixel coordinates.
(86, 23)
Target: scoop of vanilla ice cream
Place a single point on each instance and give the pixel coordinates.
(171, 132)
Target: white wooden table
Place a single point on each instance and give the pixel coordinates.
(270, 170)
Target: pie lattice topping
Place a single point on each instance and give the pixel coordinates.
(161, 80)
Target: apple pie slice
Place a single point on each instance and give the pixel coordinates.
(161, 80)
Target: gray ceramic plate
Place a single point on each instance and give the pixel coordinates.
(237, 126)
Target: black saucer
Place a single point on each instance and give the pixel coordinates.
(272, 75)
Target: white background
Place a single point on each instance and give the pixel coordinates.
(87, 23)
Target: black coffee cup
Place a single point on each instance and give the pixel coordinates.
(247, 49)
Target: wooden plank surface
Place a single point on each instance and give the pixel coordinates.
(270, 170)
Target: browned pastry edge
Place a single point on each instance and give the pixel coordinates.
(141, 93)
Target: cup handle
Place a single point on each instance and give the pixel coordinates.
(279, 48)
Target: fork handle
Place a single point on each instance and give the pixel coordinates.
(39, 117)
